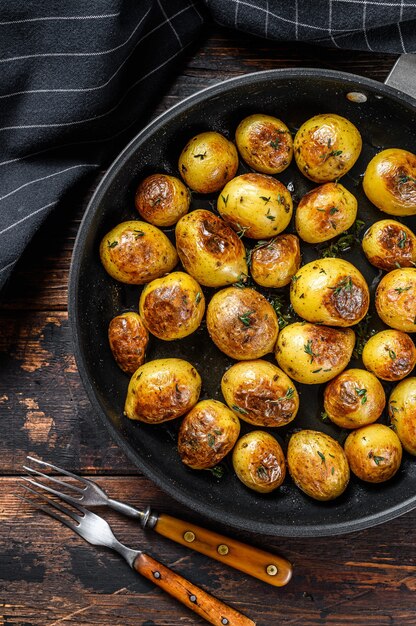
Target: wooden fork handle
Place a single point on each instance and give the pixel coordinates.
(212, 610)
(264, 565)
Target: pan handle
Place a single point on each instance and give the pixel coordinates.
(403, 75)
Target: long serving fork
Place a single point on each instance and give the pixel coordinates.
(97, 531)
(266, 566)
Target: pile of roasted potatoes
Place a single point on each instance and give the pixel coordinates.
(240, 253)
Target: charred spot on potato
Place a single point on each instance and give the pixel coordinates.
(347, 299)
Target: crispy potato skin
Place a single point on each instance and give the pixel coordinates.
(207, 434)
(374, 453)
(128, 338)
(255, 204)
(172, 307)
(260, 393)
(325, 212)
(390, 181)
(162, 390)
(242, 323)
(354, 398)
(331, 350)
(208, 162)
(330, 291)
(390, 355)
(259, 462)
(402, 413)
(388, 244)
(317, 464)
(396, 299)
(265, 143)
(209, 249)
(274, 263)
(162, 200)
(135, 252)
(326, 147)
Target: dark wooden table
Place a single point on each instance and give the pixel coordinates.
(48, 575)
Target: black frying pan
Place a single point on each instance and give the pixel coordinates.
(386, 119)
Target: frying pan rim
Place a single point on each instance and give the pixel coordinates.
(157, 477)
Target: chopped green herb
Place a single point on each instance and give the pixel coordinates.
(344, 242)
(345, 284)
(361, 393)
(295, 278)
(211, 440)
(177, 388)
(402, 239)
(280, 199)
(269, 216)
(112, 244)
(332, 470)
(242, 281)
(217, 431)
(321, 210)
(238, 409)
(285, 313)
(224, 199)
(198, 297)
(333, 210)
(262, 472)
(322, 271)
(335, 153)
(406, 179)
(393, 409)
(265, 199)
(401, 289)
(200, 156)
(242, 230)
(397, 264)
(139, 233)
(275, 144)
(377, 459)
(157, 201)
(392, 354)
(308, 349)
(363, 334)
(316, 371)
(217, 470)
(324, 416)
(288, 396)
(245, 318)
(322, 456)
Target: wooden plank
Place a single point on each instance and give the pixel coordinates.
(51, 576)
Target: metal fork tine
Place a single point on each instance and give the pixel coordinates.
(48, 511)
(63, 509)
(59, 469)
(32, 470)
(63, 496)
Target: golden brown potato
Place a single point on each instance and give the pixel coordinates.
(325, 212)
(208, 162)
(210, 250)
(274, 262)
(374, 453)
(162, 200)
(326, 147)
(396, 299)
(242, 323)
(330, 291)
(259, 462)
(207, 434)
(390, 181)
(390, 355)
(312, 353)
(317, 464)
(256, 205)
(265, 143)
(402, 412)
(354, 398)
(135, 252)
(172, 307)
(260, 393)
(389, 245)
(162, 390)
(128, 338)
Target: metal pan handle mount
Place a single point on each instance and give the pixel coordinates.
(403, 75)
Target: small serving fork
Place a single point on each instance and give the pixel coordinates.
(266, 566)
(97, 531)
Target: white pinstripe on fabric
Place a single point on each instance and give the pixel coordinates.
(374, 2)
(6, 267)
(399, 27)
(161, 7)
(58, 17)
(330, 25)
(296, 20)
(365, 25)
(27, 217)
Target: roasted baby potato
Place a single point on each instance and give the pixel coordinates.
(326, 147)
(265, 143)
(259, 462)
(330, 291)
(207, 434)
(312, 353)
(135, 252)
(390, 181)
(260, 393)
(396, 299)
(374, 453)
(402, 412)
(172, 307)
(162, 390)
(354, 398)
(162, 200)
(390, 355)
(274, 262)
(128, 338)
(242, 323)
(210, 250)
(208, 162)
(325, 212)
(388, 244)
(317, 464)
(256, 205)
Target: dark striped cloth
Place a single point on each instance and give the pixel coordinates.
(78, 79)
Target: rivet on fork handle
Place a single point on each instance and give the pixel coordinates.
(212, 610)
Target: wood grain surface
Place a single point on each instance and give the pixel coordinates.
(48, 575)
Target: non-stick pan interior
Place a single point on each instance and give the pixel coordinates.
(384, 120)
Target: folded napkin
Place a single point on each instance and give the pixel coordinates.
(78, 80)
